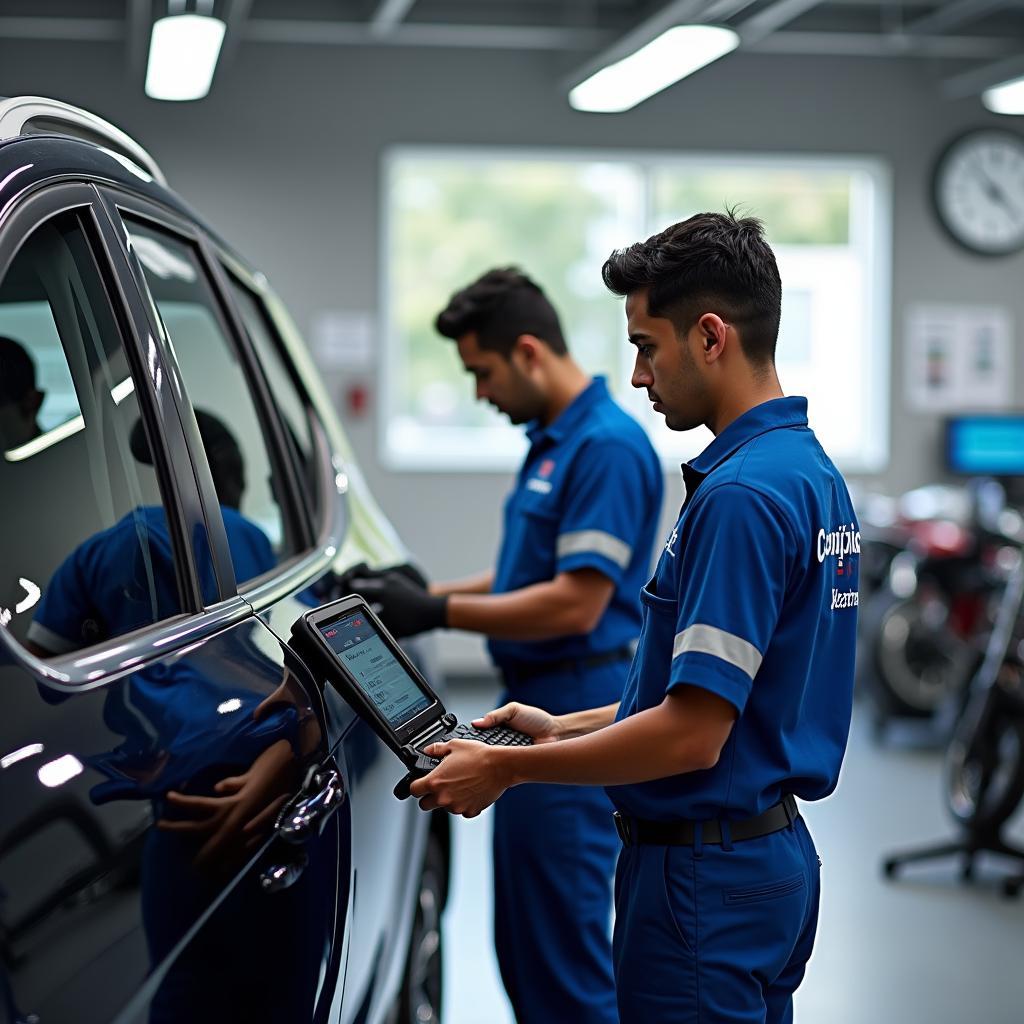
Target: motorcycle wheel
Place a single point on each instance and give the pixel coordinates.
(985, 765)
(919, 668)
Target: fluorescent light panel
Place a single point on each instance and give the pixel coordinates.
(673, 55)
(183, 52)
(1007, 98)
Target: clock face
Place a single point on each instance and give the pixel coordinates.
(979, 191)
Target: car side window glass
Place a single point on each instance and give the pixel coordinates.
(86, 552)
(233, 434)
(288, 399)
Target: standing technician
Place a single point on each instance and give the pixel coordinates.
(740, 694)
(561, 611)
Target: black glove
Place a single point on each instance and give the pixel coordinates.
(405, 608)
(362, 571)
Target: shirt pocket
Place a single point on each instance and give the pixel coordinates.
(538, 522)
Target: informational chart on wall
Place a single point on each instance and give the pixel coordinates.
(958, 358)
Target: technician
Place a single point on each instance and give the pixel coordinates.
(561, 611)
(740, 694)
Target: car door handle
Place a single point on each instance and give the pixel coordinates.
(285, 874)
(303, 817)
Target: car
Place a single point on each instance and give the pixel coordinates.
(194, 824)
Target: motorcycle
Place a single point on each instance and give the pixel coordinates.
(935, 571)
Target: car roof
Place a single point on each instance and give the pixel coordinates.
(48, 150)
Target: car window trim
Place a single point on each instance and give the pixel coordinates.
(104, 663)
(193, 453)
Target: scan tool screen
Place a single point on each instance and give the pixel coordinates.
(376, 671)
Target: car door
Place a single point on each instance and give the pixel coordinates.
(225, 345)
(150, 724)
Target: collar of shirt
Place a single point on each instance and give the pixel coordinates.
(771, 415)
(570, 416)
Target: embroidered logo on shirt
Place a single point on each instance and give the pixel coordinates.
(546, 468)
(844, 546)
(540, 486)
(671, 542)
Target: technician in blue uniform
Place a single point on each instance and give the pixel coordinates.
(739, 697)
(561, 610)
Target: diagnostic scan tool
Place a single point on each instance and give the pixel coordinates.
(364, 662)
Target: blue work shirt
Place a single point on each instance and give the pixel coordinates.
(123, 578)
(588, 496)
(754, 599)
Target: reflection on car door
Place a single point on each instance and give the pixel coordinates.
(146, 743)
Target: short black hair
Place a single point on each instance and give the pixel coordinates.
(499, 306)
(712, 262)
(17, 371)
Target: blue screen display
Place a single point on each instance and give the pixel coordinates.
(986, 445)
(379, 674)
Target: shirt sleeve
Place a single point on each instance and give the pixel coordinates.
(63, 608)
(609, 503)
(736, 554)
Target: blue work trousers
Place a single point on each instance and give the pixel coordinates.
(554, 861)
(713, 935)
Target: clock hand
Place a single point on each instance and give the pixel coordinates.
(995, 192)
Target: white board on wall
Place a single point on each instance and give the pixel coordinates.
(958, 358)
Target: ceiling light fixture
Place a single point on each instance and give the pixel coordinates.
(183, 52)
(1005, 98)
(676, 53)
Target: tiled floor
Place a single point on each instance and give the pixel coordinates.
(922, 951)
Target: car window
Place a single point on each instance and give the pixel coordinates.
(86, 551)
(288, 399)
(233, 434)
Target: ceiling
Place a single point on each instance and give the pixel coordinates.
(968, 44)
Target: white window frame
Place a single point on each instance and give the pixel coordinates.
(872, 189)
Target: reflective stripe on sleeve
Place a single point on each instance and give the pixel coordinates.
(597, 542)
(727, 646)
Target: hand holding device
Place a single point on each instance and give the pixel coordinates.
(424, 765)
(534, 722)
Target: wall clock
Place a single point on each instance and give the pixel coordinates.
(978, 189)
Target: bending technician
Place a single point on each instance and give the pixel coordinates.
(561, 611)
(740, 694)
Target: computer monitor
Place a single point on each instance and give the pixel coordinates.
(986, 445)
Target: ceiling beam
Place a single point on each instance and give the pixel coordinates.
(761, 25)
(84, 29)
(485, 37)
(137, 29)
(869, 44)
(977, 80)
(235, 19)
(952, 14)
(389, 14)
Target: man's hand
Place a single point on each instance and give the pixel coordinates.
(405, 608)
(467, 781)
(362, 571)
(535, 722)
(238, 818)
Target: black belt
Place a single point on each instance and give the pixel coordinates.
(634, 832)
(542, 668)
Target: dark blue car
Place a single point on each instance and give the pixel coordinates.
(194, 826)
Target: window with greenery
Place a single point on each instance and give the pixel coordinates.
(451, 214)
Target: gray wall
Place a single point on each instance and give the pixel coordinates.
(284, 159)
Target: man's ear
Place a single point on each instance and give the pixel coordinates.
(713, 330)
(529, 348)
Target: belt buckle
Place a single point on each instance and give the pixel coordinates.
(623, 827)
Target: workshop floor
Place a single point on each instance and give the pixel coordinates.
(926, 950)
